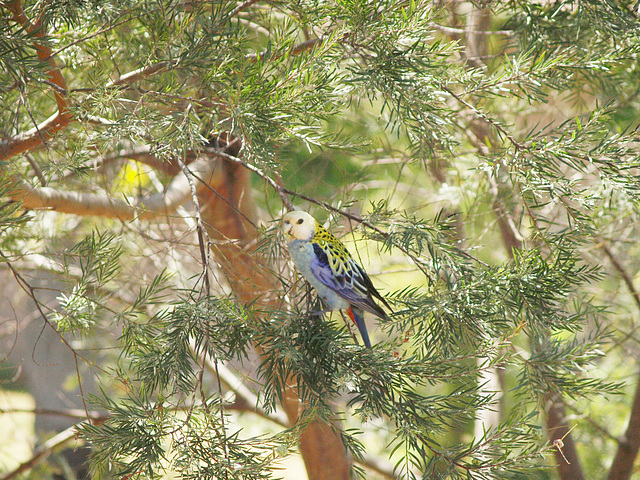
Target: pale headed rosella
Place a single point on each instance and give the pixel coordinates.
(327, 265)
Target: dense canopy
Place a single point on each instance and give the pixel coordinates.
(479, 159)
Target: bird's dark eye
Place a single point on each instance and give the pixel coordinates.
(300, 220)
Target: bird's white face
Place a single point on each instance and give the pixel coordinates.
(298, 225)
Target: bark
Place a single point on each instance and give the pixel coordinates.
(623, 463)
(321, 447)
(33, 138)
(59, 120)
(559, 434)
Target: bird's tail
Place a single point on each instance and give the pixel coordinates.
(357, 316)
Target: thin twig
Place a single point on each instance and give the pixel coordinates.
(90, 36)
(202, 234)
(36, 169)
(625, 276)
(69, 413)
(462, 31)
(24, 101)
(295, 50)
(79, 378)
(141, 73)
(30, 291)
(284, 192)
(205, 273)
(242, 6)
(204, 244)
(58, 88)
(280, 190)
(483, 116)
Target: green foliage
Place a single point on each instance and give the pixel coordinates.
(91, 266)
(12, 221)
(491, 170)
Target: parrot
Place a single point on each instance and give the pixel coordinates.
(326, 264)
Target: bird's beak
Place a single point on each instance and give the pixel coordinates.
(286, 229)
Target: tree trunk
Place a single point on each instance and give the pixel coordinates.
(622, 466)
(566, 454)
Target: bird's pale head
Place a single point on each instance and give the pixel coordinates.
(298, 225)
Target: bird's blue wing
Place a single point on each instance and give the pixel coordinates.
(346, 278)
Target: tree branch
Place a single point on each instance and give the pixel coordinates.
(625, 276)
(295, 50)
(283, 192)
(29, 140)
(88, 37)
(42, 132)
(141, 73)
(68, 413)
(242, 6)
(91, 204)
(44, 53)
(463, 31)
(280, 190)
(246, 396)
(143, 155)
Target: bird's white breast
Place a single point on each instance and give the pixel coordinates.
(303, 256)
